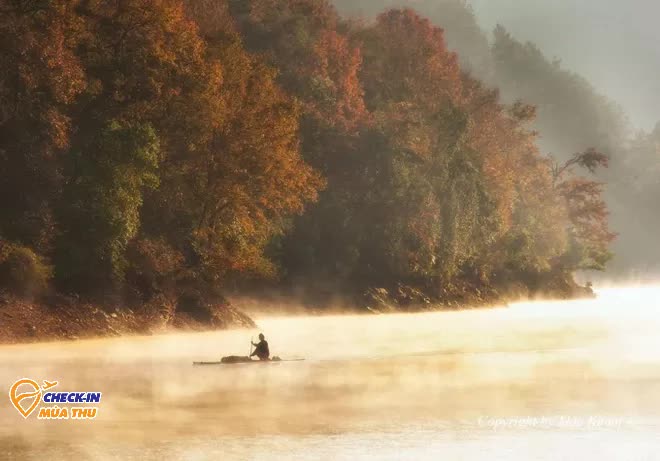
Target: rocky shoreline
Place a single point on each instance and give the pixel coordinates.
(23, 321)
(66, 318)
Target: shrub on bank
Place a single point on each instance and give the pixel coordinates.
(22, 271)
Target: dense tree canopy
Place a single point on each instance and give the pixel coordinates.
(440, 181)
(145, 132)
(170, 145)
(571, 117)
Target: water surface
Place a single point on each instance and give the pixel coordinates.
(550, 381)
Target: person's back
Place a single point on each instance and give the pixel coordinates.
(261, 349)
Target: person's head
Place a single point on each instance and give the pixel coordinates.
(261, 336)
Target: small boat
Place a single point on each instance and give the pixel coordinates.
(237, 359)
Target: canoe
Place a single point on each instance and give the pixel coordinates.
(235, 360)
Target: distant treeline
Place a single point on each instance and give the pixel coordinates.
(151, 148)
(571, 116)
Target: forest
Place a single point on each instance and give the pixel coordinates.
(168, 152)
(572, 116)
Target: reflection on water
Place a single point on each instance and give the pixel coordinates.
(571, 380)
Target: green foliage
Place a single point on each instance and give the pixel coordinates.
(160, 147)
(440, 182)
(22, 271)
(103, 199)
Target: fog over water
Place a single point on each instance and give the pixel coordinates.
(560, 380)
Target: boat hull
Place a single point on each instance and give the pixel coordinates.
(237, 360)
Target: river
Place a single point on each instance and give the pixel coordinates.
(537, 380)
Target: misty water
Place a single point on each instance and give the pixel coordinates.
(555, 381)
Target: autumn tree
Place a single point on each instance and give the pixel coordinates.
(147, 74)
(40, 77)
(456, 17)
(414, 86)
(158, 148)
(248, 176)
(130, 129)
(589, 234)
(438, 183)
(319, 65)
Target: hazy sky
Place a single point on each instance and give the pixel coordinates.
(614, 43)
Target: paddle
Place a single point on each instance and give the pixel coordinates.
(251, 342)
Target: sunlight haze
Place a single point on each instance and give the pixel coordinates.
(612, 43)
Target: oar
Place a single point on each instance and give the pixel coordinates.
(251, 341)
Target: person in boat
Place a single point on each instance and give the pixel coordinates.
(261, 348)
